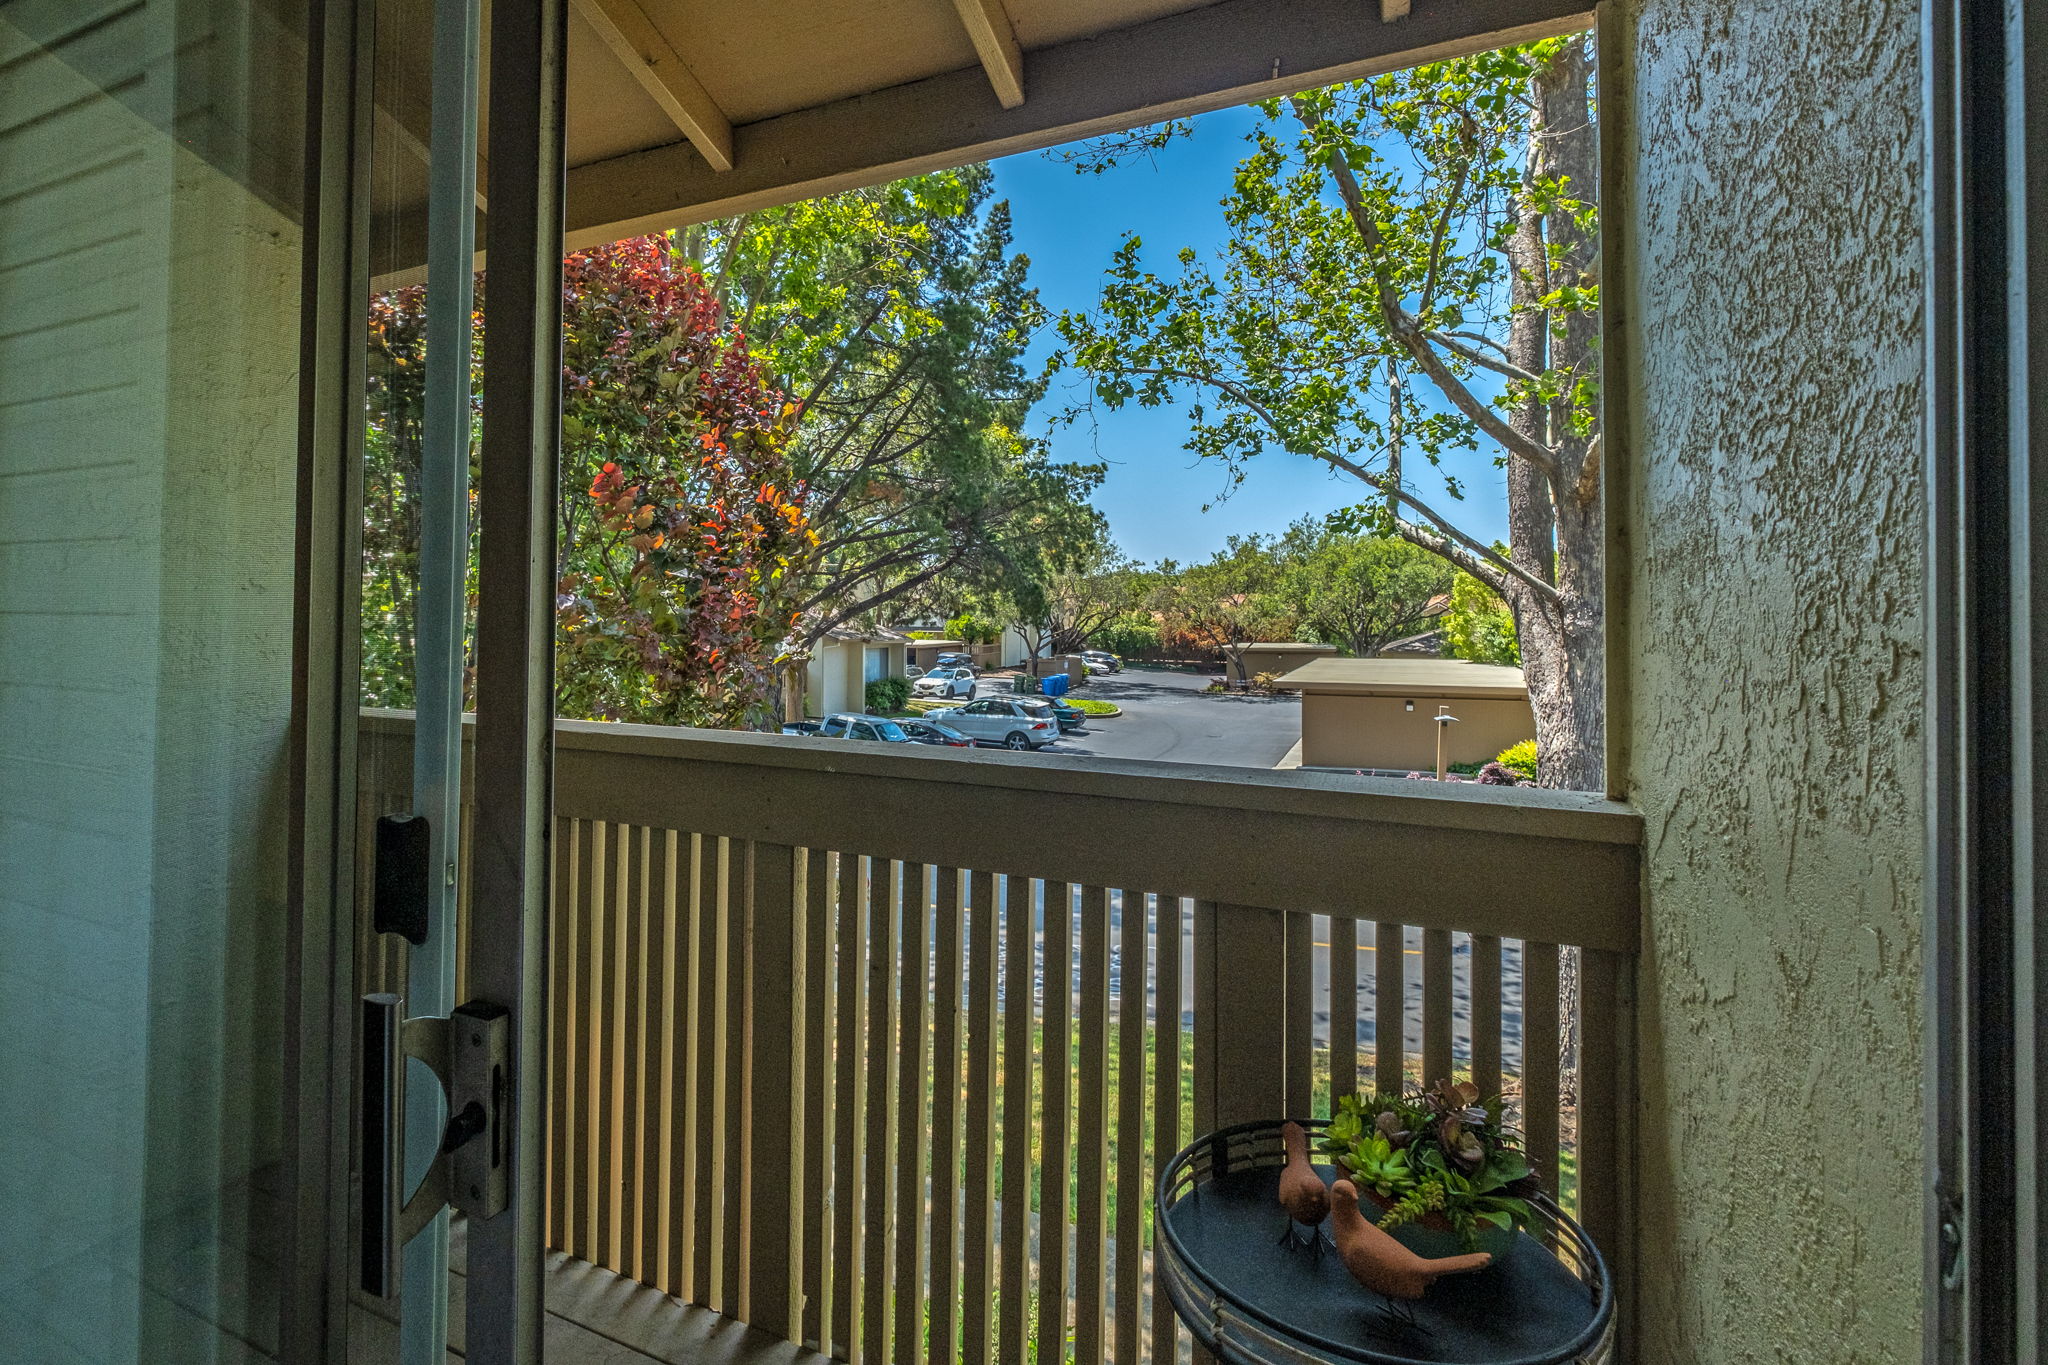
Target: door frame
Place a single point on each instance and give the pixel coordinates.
(514, 810)
(514, 731)
(326, 663)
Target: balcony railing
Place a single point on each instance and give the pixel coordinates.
(802, 1048)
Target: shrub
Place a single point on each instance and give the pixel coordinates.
(1127, 636)
(1264, 681)
(1519, 759)
(887, 696)
(974, 630)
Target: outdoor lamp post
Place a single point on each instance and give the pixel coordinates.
(1444, 721)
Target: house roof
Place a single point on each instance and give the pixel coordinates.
(681, 111)
(880, 635)
(1406, 678)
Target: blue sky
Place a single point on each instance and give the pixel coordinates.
(1069, 224)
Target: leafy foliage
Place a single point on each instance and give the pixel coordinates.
(1358, 592)
(899, 316)
(1478, 625)
(1441, 1150)
(679, 513)
(1411, 274)
(1520, 759)
(1229, 599)
(886, 696)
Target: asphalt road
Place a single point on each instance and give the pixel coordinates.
(1167, 716)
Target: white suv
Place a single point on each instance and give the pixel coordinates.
(945, 682)
(1014, 723)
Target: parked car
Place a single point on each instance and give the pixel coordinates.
(1013, 722)
(1101, 661)
(946, 682)
(800, 727)
(846, 725)
(965, 661)
(1070, 718)
(933, 732)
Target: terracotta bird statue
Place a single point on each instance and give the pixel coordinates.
(1379, 1262)
(1302, 1192)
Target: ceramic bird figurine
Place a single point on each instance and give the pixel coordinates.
(1302, 1192)
(1379, 1262)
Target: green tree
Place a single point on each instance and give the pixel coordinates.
(1232, 598)
(1083, 592)
(1410, 273)
(1478, 625)
(1359, 592)
(898, 317)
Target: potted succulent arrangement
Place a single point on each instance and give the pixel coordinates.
(1444, 1170)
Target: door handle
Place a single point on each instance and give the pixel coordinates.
(470, 1053)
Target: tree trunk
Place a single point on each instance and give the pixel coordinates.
(1554, 525)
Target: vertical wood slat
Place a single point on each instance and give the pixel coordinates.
(628, 1010)
(1130, 1128)
(1602, 1115)
(1091, 1131)
(977, 1240)
(600, 1174)
(1486, 1024)
(1056, 1144)
(561, 1011)
(848, 1093)
(1204, 967)
(819, 1075)
(700, 1098)
(582, 1166)
(1166, 1127)
(1343, 1008)
(771, 1155)
(665, 926)
(1248, 962)
(949, 967)
(1299, 1059)
(1014, 1301)
(885, 929)
(1389, 1007)
(913, 1147)
(1539, 1058)
(1436, 1005)
(732, 1042)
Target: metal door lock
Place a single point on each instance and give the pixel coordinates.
(470, 1053)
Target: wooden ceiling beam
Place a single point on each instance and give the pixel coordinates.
(995, 42)
(1228, 53)
(641, 49)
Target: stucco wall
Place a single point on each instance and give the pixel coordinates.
(1772, 274)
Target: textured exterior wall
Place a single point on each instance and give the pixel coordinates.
(1772, 285)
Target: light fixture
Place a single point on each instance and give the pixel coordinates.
(1407, 706)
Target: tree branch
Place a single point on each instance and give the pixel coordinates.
(1485, 362)
(1404, 326)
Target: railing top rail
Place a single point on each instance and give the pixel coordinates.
(1517, 862)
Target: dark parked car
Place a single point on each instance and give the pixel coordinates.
(932, 732)
(1070, 718)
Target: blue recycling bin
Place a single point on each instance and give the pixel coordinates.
(1055, 684)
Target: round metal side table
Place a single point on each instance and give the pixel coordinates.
(1254, 1300)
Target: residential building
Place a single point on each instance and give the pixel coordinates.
(1382, 713)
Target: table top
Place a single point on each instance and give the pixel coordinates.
(1527, 1308)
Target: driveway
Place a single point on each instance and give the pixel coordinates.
(1168, 716)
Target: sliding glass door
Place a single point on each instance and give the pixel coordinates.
(150, 232)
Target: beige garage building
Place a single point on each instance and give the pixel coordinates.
(1379, 713)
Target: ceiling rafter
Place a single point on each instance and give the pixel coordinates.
(995, 42)
(640, 47)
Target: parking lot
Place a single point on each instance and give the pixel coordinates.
(1167, 716)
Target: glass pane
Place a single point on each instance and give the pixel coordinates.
(149, 285)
